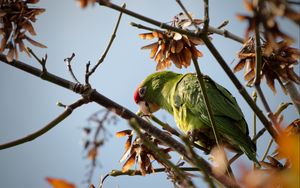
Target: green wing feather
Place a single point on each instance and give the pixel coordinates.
(190, 113)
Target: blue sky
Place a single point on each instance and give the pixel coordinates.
(28, 103)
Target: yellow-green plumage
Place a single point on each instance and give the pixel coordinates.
(181, 96)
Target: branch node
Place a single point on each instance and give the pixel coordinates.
(42, 62)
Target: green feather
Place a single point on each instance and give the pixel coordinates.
(181, 96)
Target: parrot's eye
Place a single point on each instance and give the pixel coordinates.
(142, 91)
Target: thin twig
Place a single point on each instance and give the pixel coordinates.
(267, 150)
(116, 173)
(69, 109)
(162, 25)
(87, 70)
(206, 17)
(226, 22)
(188, 15)
(258, 64)
(206, 101)
(68, 61)
(113, 36)
(42, 61)
(281, 108)
(159, 154)
(254, 95)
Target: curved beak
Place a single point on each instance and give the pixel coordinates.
(148, 108)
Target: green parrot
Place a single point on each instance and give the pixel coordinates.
(181, 96)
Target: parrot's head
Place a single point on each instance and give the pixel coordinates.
(150, 92)
(142, 97)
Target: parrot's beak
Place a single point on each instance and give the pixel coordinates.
(148, 108)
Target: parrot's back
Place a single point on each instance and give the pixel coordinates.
(191, 116)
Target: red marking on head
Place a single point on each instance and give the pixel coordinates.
(136, 96)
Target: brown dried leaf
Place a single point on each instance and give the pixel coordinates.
(175, 60)
(123, 133)
(129, 163)
(35, 43)
(28, 26)
(239, 66)
(3, 44)
(248, 5)
(187, 55)
(158, 56)
(149, 46)
(157, 34)
(270, 82)
(196, 41)
(10, 54)
(154, 50)
(195, 52)
(147, 36)
(179, 46)
(293, 76)
(128, 143)
(186, 40)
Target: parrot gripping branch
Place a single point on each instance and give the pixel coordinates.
(121, 111)
(212, 49)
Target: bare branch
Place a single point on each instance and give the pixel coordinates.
(188, 15)
(69, 109)
(267, 150)
(113, 36)
(258, 64)
(162, 25)
(206, 102)
(42, 61)
(69, 66)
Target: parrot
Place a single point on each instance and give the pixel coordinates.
(181, 96)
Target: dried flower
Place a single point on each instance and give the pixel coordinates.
(264, 14)
(16, 18)
(173, 47)
(137, 152)
(277, 64)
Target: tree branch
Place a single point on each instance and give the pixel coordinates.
(69, 109)
(113, 36)
(121, 111)
(162, 25)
